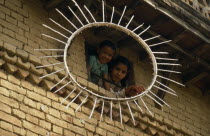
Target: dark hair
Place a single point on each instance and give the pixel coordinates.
(107, 43)
(125, 61)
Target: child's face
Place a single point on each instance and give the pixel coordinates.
(105, 54)
(119, 72)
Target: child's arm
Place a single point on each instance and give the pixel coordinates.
(133, 90)
(106, 84)
(89, 66)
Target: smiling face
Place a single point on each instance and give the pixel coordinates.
(119, 72)
(105, 54)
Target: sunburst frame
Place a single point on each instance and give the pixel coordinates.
(148, 91)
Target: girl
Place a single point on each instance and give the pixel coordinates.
(119, 72)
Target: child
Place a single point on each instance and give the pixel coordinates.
(119, 74)
(98, 64)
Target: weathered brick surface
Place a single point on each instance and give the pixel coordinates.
(28, 108)
(56, 121)
(10, 119)
(6, 133)
(34, 128)
(6, 126)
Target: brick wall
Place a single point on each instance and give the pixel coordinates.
(28, 107)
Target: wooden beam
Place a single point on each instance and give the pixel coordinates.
(179, 37)
(179, 20)
(196, 78)
(173, 45)
(53, 3)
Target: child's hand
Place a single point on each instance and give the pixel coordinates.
(134, 90)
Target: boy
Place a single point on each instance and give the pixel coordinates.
(98, 64)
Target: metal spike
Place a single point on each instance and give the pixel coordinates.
(103, 11)
(138, 27)
(52, 73)
(81, 11)
(60, 26)
(62, 87)
(170, 71)
(160, 52)
(74, 99)
(160, 43)
(49, 49)
(81, 103)
(144, 30)
(138, 106)
(111, 110)
(54, 38)
(131, 113)
(122, 15)
(66, 18)
(76, 16)
(102, 110)
(164, 90)
(59, 82)
(55, 31)
(154, 100)
(160, 99)
(170, 80)
(55, 56)
(68, 95)
(146, 106)
(120, 113)
(165, 86)
(130, 21)
(93, 108)
(90, 13)
(158, 58)
(49, 65)
(169, 64)
(152, 38)
(112, 15)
